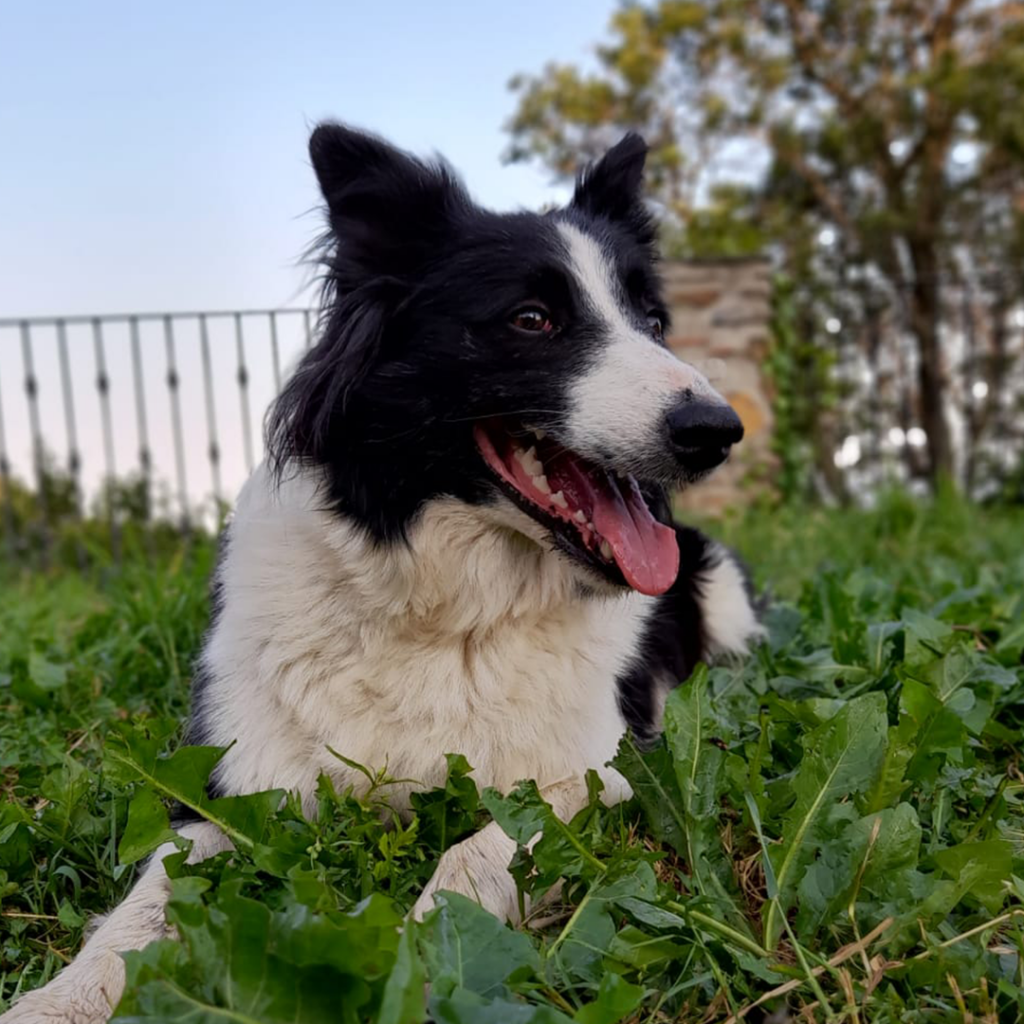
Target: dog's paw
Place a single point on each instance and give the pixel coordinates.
(478, 869)
(43, 1007)
(85, 993)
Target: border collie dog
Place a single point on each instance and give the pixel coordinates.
(461, 540)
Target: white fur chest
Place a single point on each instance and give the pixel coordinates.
(472, 640)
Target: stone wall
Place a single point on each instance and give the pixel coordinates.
(720, 316)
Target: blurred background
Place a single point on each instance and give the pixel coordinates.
(840, 185)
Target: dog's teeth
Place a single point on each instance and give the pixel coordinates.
(539, 434)
(529, 461)
(532, 464)
(541, 483)
(606, 550)
(580, 516)
(559, 499)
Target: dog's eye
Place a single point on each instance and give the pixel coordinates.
(655, 324)
(533, 320)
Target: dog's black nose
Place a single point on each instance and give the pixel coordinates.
(703, 430)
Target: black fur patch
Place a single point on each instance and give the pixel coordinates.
(674, 639)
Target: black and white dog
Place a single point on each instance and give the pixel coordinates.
(461, 540)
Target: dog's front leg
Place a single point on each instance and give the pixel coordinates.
(88, 989)
(478, 866)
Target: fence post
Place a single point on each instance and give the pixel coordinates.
(38, 454)
(71, 429)
(5, 484)
(243, 392)
(141, 419)
(110, 462)
(173, 384)
(213, 451)
(275, 352)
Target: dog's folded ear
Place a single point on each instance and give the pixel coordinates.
(388, 210)
(612, 187)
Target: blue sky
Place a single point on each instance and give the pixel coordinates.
(153, 157)
(154, 154)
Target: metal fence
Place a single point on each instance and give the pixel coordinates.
(172, 402)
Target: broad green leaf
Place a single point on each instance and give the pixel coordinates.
(640, 949)
(878, 636)
(1011, 642)
(234, 967)
(842, 758)
(183, 777)
(981, 869)
(362, 942)
(46, 674)
(521, 814)
(652, 775)
(284, 965)
(404, 1000)
(560, 851)
(466, 947)
(989, 672)
(616, 1000)
(948, 676)
(924, 637)
(578, 951)
(940, 732)
(822, 667)
(900, 748)
(462, 1007)
(580, 943)
(699, 764)
(850, 859)
(68, 916)
(148, 826)
(691, 732)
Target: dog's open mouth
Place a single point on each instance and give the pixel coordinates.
(602, 517)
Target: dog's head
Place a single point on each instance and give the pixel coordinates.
(512, 361)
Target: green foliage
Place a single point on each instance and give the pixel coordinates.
(726, 226)
(896, 128)
(803, 390)
(51, 525)
(856, 781)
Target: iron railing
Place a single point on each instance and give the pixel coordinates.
(80, 403)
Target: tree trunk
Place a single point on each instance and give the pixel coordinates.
(925, 306)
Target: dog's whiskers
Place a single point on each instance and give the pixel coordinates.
(502, 414)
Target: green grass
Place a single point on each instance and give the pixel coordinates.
(840, 821)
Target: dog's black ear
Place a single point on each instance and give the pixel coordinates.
(303, 420)
(389, 214)
(388, 210)
(613, 186)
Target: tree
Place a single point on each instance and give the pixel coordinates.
(893, 128)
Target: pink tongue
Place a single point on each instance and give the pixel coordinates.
(645, 550)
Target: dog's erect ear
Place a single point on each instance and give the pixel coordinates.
(387, 208)
(613, 186)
